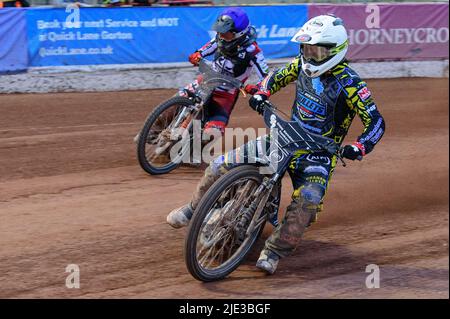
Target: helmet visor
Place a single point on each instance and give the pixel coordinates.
(320, 52)
(315, 53)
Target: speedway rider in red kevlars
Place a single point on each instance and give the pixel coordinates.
(235, 53)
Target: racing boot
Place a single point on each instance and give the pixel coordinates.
(268, 261)
(180, 217)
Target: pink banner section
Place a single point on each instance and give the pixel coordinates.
(393, 31)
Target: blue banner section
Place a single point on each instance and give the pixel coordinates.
(147, 35)
(13, 40)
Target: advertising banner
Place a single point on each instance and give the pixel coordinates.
(393, 31)
(13, 40)
(93, 36)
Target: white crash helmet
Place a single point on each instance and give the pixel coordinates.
(323, 44)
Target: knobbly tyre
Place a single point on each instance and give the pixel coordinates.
(172, 122)
(232, 213)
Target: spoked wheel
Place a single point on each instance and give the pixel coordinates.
(163, 129)
(218, 240)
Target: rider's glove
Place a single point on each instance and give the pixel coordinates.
(251, 89)
(256, 102)
(354, 151)
(195, 58)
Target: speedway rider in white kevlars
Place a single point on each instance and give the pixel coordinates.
(329, 94)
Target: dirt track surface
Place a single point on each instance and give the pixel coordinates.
(71, 192)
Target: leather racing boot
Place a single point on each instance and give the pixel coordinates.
(268, 261)
(180, 217)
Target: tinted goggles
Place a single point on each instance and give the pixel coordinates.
(320, 53)
(227, 36)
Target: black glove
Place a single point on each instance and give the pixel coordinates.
(256, 101)
(354, 151)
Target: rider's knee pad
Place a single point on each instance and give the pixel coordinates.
(216, 128)
(217, 166)
(309, 198)
(311, 194)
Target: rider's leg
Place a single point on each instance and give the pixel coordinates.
(246, 154)
(310, 174)
(218, 111)
(216, 115)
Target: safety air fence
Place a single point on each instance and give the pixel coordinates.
(62, 37)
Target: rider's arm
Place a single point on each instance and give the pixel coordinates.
(209, 48)
(361, 99)
(281, 77)
(258, 62)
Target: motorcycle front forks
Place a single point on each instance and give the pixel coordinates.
(260, 201)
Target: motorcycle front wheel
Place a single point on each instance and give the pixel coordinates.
(156, 138)
(217, 241)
